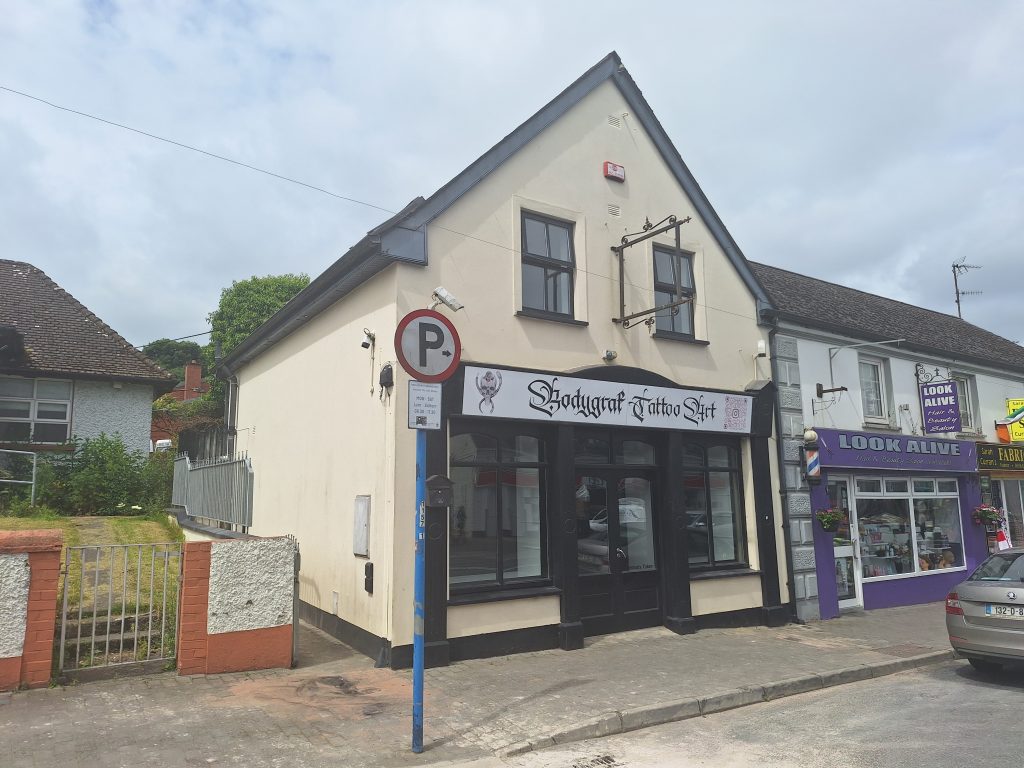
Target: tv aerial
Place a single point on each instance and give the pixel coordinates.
(960, 268)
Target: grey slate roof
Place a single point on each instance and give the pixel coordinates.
(818, 304)
(403, 237)
(59, 336)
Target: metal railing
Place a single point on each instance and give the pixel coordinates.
(119, 605)
(215, 489)
(19, 468)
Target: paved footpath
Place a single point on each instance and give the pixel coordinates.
(337, 710)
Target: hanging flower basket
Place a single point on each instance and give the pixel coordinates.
(987, 515)
(829, 519)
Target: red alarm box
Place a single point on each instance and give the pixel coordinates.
(614, 171)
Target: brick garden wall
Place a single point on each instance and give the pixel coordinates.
(236, 606)
(28, 606)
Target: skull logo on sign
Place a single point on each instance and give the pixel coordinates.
(488, 387)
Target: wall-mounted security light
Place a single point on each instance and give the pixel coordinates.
(441, 295)
(369, 337)
(762, 349)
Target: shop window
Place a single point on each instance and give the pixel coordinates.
(869, 485)
(912, 527)
(548, 262)
(497, 526)
(34, 410)
(896, 486)
(668, 264)
(591, 448)
(634, 452)
(714, 504)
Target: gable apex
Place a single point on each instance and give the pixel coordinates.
(405, 240)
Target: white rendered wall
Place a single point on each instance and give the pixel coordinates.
(318, 438)
(251, 584)
(100, 408)
(845, 410)
(14, 582)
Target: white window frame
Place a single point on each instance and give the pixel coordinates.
(34, 402)
(883, 386)
(910, 495)
(965, 393)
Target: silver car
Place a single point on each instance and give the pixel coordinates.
(985, 614)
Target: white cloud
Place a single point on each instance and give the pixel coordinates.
(872, 144)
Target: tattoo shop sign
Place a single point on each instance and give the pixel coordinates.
(549, 397)
(940, 407)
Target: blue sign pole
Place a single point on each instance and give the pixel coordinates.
(419, 591)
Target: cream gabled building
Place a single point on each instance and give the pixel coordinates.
(605, 477)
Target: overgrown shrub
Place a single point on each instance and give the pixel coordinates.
(100, 476)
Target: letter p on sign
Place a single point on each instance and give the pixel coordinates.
(427, 345)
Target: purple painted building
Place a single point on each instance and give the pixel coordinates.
(907, 535)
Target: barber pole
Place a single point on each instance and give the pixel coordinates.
(812, 470)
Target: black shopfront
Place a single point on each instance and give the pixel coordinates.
(615, 519)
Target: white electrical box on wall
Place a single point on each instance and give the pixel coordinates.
(361, 529)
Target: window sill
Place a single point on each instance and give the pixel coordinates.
(550, 316)
(669, 335)
(498, 595)
(881, 426)
(722, 573)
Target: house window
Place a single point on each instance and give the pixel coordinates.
(668, 263)
(548, 265)
(497, 526)
(963, 392)
(872, 390)
(714, 504)
(34, 410)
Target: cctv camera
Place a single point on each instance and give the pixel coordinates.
(368, 339)
(442, 296)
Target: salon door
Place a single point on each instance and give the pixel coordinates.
(846, 553)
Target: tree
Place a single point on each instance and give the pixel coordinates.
(172, 355)
(244, 306)
(247, 304)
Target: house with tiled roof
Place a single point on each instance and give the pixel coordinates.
(888, 414)
(64, 373)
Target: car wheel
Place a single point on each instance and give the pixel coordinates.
(988, 667)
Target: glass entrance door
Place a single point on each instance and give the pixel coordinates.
(845, 550)
(616, 550)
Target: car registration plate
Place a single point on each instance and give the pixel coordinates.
(1005, 611)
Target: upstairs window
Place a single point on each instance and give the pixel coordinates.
(963, 391)
(34, 410)
(549, 262)
(667, 264)
(872, 390)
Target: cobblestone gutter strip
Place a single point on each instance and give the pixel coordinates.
(683, 709)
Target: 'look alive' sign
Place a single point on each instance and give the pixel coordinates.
(546, 397)
(940, 407)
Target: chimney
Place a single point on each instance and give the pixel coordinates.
(193, 380)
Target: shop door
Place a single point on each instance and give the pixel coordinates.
(618, 577)
(846, 552)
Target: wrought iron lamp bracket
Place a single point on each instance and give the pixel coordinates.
(924, 376)
(648, 231)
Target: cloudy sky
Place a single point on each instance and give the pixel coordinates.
(870, 143)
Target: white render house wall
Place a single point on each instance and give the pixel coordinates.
(103, 407)
(14, 581)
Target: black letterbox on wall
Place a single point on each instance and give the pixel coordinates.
(439, 491)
